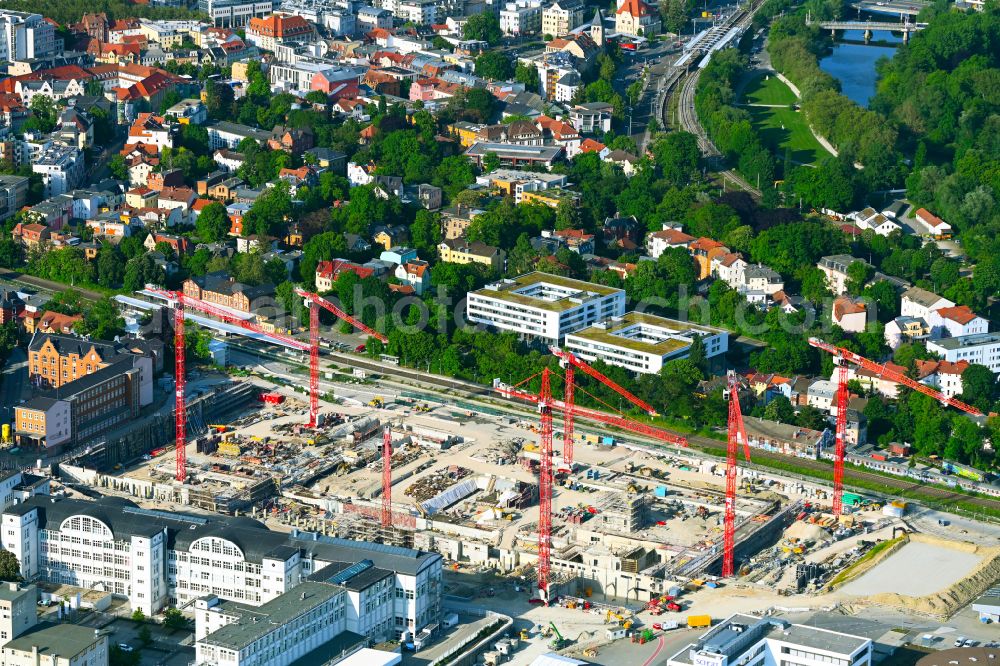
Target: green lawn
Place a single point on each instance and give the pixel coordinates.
(781, 127)
(764, 90)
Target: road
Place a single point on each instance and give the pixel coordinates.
(456, 387)
(13, 384)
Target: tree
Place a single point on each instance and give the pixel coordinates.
(858, 275)
(483, 27)
(527, 75)
(110, 266)
(10, 570)
(494, 65)
(138, 616)
(213, 223)
(102, 321)
(145, 635)
(425, 232)
(174, 619)
(219, 100)
(979, 385)
(491, 162)
(780, 409)
(43, 114)
(118, 168)
(676, 155)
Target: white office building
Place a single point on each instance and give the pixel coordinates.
(25, 36)
(274, 634)
(156, 559)
(981, 349)
(522, 17)
(643, 343)
(746, 640)
(235, 13)
(543, 307)
(61, 168)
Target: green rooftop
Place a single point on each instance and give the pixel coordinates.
(607, 333)
(506, 290)
(257, 621)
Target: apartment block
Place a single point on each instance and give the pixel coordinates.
(61, 168)
(543, 307)
(562, 16)
(643, 343)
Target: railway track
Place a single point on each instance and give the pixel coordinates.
(701, 443)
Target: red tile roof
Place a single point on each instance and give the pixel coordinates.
(673, 236)
(959, 313)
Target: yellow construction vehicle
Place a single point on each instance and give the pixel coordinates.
(524, 634)
(376, 402)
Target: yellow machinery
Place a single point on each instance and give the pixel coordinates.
(524, 634)
(5, 437)
(377, 402)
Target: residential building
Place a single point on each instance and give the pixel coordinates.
(514, 183)
(51, 322)
(61, 168)
(372, 18)
(561, 17)
(705, 251)
(881, 224)
(221, 289)
(786, 439)
(417, 12)
(521, 17)
(592, 117)
(850, 314)
(189, 112)
(659, 242)
(755, 641)
(835, 268)
(919, 303)
(328, 272)
(13, 195)
(27, 36)
(543, 307)
(905, 329)
(461, 251)
(636, 18)
(156, 558)
(981, 349)
(643, 343)
(18, 610)
(224, 134)
(942, 375)
(955, 322)
(416, 273)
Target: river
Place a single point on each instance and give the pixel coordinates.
(852, 62)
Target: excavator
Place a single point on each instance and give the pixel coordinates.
(558, 643)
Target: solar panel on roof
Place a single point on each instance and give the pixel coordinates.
(351, 571)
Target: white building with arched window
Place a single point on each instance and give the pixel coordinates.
(158, 559)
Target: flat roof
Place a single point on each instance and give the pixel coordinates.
(511, 290)
(547, 153)
(8, 594)
(370, 657)
(966, 340)
(64, 640)
(257, 622)
(729, 638)
(609, 332)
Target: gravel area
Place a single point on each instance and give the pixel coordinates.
(907, 571)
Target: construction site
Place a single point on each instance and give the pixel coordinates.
(537, 504)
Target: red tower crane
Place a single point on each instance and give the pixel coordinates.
(310, 301)
(844, 356)
(737, 434)
(180, 304)
(569, 362)
(386, 477)
(545, 405)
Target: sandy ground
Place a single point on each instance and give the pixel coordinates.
(908, 571)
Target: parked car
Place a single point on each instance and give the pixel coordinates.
(960, 641)
(125, 647)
